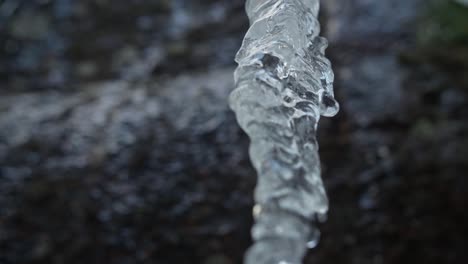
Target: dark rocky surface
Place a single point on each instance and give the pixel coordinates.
(117, 145)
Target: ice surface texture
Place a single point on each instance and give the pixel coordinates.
(284, 84)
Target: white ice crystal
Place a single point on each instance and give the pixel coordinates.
(284, 84)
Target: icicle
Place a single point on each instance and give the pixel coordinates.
(283, 84)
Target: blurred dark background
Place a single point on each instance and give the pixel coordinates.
(117, 145)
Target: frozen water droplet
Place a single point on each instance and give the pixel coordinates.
(329, 106)
(314, 239)
(312, 243)
(257, 209)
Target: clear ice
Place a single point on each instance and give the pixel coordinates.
(284, 84)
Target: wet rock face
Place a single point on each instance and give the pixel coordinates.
(61, 44)
(111, 150)
(134, 157)
(397, 131)
(138, 170)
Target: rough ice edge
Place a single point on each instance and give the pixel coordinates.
(283, 84)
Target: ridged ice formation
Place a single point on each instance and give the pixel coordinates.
(283, 84)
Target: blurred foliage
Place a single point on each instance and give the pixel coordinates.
(445, 22)
(442, 40)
